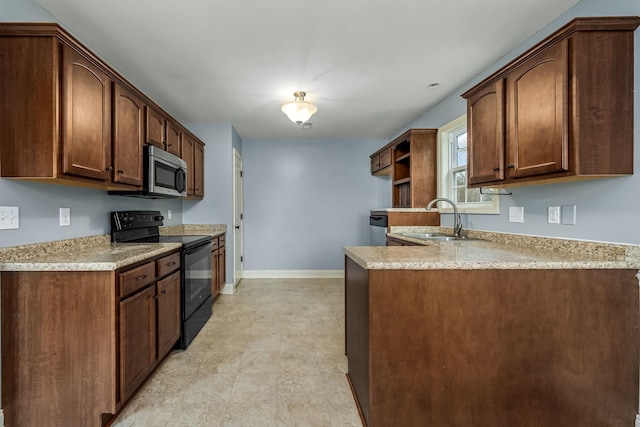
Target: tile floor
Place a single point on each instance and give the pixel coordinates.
(271, 355)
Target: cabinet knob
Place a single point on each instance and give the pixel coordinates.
(510, 166)
(141, 277)
(496, 169)
(109, 168)
(120, 171)
(164, 291)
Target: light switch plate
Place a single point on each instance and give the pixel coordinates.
(168, 213)
(516, 214)
(65, 217)
(568, 215)
(9, 217)
(553, 214)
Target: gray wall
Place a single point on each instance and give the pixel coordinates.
(217, 205)
(306, 199)
(607, 209)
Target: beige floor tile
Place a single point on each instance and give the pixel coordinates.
(271, 355)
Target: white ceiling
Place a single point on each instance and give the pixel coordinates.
(365, 63)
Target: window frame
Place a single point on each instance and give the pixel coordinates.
(445, 176)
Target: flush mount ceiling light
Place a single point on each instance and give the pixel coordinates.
(299, 111)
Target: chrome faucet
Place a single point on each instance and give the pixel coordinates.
(457, 224)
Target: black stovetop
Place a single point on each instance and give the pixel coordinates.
(143, 227)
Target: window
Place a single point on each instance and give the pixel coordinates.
(452, 183)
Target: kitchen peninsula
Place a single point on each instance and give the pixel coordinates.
(489, 334)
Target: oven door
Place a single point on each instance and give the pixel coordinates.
(166, 173)
(197, 277)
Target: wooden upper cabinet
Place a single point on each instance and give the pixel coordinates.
(86, 112)
(174, 135)
(566, 112)
(128, 137)
(193, 154)
(155, 128)
(381, 162)
(188, 149)
(537, 114)
(69, 118)
(485, 125)
(411, 160)
(198, 169)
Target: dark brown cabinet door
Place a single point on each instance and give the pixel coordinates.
(198, 169)
(173, 138)
(222, 266)
(168, 291)
(375, 163)
(188, 147)
(137, 339)
(485, 127)
(86, 112)
(155, 128)
(537, 114)
(128, 138)
(215, 259)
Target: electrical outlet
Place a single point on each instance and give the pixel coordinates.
(168, 213)
(9, 217)
(65, 217)
(553, 214)
(516, 214)
(568, 215)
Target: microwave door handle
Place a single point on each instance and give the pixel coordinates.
(181, 180)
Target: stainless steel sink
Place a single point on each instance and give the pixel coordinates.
(437, 237)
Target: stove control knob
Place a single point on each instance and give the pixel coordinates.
(158, 218)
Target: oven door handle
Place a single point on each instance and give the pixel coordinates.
(203, 246)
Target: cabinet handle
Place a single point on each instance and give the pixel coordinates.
(142, 277)
(169, 264)
(109, 168)
(510, 166)
(496, 169)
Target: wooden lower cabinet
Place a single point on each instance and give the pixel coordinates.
(218, 265)
(137, 339)
(168, 293)
(399, 242)
(77, 344)
(529, 348)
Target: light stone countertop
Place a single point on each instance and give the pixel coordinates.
(498, 251)
(93, 258)
(94, 253)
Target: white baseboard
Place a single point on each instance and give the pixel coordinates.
(229, 289)
(1, 418)
(293, 274)
(637, 424)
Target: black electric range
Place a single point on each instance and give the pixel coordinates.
(195, 273)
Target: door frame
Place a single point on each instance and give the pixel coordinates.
(238, 233)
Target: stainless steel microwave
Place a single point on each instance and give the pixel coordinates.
(165, 175)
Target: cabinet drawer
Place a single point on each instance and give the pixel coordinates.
(222, 240)
(136, 278)
(216, 243)
(168, 264)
